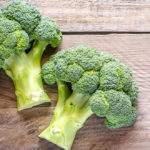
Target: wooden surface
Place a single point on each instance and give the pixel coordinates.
(19, 130)
(82, 22)
(96, 15)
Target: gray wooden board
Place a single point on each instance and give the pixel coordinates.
(19, 130)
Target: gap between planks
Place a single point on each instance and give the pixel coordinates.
(102, 33)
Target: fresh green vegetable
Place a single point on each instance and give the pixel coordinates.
(101, 85)
(24, 35)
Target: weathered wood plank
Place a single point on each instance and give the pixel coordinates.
(96, 15)
(19, 130)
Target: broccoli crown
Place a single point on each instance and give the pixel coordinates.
(115, 105)
(21, 23)
(98, 74)
(88, 70)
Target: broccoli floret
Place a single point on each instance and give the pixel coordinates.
(101, 85)
(25, 14)
(115, 106)
(88, 83)
(24, 35)
(115, 75)
(48, 31)
(99, 104)
(48, 72)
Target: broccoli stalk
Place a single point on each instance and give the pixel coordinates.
(24, 69)
(69, 116)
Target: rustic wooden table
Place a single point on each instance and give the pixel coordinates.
(119, 27)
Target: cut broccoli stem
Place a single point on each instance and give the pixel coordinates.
(63, 94)
(24, 69)
(65, 124)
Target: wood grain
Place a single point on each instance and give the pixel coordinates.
(19, 130)
(96, 15)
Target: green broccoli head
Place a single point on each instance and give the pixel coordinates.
(12, 39)
(116, 106)
(21, 23)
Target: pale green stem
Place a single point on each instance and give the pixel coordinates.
(24, 69)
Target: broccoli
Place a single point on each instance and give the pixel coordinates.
(24, 35)
(101, 85)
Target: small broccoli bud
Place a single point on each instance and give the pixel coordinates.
(108, 58)
(23, 41)
(99, 104)
(7, 27)
(6, 52)
(115, 75)
(48, 31)
(10, 41)
(115, 106)
(133, 92)
(89, 59)
(49, 79)
(87, 84)
(60, 69)
(25, 14)
(68, 73)
(48, 72)
(74, 72)
(94, 63)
